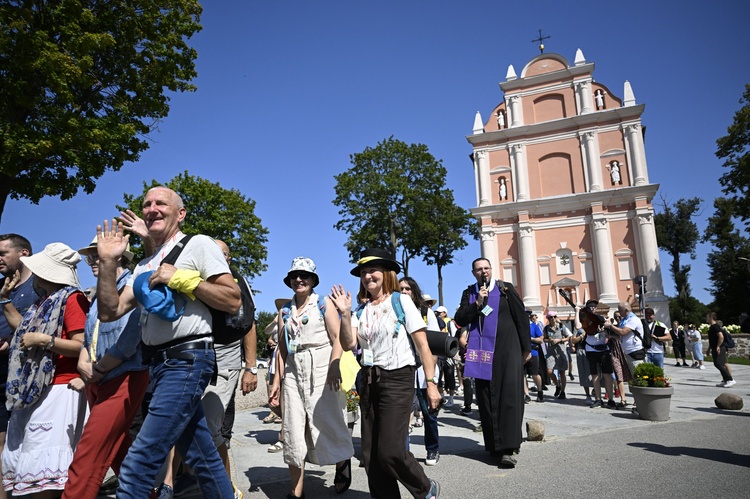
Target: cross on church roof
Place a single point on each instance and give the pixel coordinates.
(541, 41)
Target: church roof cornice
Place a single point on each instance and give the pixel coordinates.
(581, 121)
(567, 203)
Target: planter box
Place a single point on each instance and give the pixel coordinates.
(652, 402)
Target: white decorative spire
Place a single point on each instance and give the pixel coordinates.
(628, 94)
(478, 124)
(511, 74)
(580, 60)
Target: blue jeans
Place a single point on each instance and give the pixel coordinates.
(431, 435)
(175, 418)
(655, 358)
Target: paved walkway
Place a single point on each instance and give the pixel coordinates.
(700, 452)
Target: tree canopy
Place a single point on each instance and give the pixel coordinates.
(82, 83)
(735, 148)
(217, 212)
(394, 197)
(728, 273)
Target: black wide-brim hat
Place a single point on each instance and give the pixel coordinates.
(376, 256)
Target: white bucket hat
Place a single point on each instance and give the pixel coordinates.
(57, 264)
(302, 264)
(128, 255)
(429, 300)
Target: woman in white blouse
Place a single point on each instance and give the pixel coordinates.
(389, 330)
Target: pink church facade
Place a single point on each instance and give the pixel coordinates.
(563, 193)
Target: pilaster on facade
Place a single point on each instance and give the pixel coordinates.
(603, 259)
(649, 264)
(636, 153)
(584, 96)
(590, 156)
(514, 107)
(520, 171)
(481, 158)
(489, 252)
(529, 271)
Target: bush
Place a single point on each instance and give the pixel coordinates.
(647, 374)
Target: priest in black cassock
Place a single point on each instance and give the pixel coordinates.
(498, 346)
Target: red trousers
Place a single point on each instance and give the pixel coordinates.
(106, 436)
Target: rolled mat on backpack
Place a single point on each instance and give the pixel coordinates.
(442, 344)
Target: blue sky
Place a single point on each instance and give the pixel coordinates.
(288, 90)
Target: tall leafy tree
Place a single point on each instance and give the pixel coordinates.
(677, 234)
(217, 212)
(727, 272)
(380, 194)
(264, 319)
(82, 83)
(735, 149)
(444, 229)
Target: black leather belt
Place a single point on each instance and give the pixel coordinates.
(181, 351)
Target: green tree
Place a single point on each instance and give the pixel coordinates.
(82, 83)
(735, 147)
(443, 230)
(727, 272)
(381, 194)
(677, 234)
(686, 313)
(217, 212)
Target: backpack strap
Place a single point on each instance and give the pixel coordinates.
(173, 255)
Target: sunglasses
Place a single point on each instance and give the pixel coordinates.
(301, 275)
(92, 258)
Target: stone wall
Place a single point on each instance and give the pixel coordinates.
(742, 350)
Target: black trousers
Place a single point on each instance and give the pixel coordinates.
(386, 402)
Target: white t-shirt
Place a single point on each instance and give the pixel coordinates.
(201, 254)
(379, 331)
(432, 325)
(631, 342)
(656, 347)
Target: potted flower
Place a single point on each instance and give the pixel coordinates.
(651, 391)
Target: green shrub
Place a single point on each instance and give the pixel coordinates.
(647, 374)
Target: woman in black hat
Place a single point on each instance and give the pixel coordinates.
(389, 329)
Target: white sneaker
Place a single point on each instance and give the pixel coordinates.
(729, 383)
(701, 366)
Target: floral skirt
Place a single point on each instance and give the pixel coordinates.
(41, 440)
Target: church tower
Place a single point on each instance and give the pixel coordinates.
(563, 194)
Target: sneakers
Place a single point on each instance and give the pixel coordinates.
(237, 492)
(701, 366)
(611, 404)
(185, 484)
(418, 423)
(596, 404)
(434, 492)
(729, 383)
(562, 395)
(450, 402)
(164, 492)
(527, 399)
(432, 458)
(109, 485)
(466, 410)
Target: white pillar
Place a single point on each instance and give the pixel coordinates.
(604, 259)
(529, 271)
(585, 98)
(650, 264)
(636, 154)
(592, 161)
(520, 172)
(483, 177)
(488, 248)
(516, 115)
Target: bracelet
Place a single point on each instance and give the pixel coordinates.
(4, 302)
(50, 344)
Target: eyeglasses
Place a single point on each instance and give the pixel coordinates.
(92, 258)
(301, 275)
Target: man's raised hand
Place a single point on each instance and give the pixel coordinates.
(111, 244)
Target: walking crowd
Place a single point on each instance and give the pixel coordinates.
(140, 377)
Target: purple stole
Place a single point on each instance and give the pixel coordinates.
(482, 333)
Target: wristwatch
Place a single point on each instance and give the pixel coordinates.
(434, 380)
(50, 344)
(253, 370)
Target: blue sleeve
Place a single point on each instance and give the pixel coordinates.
(127, 343)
